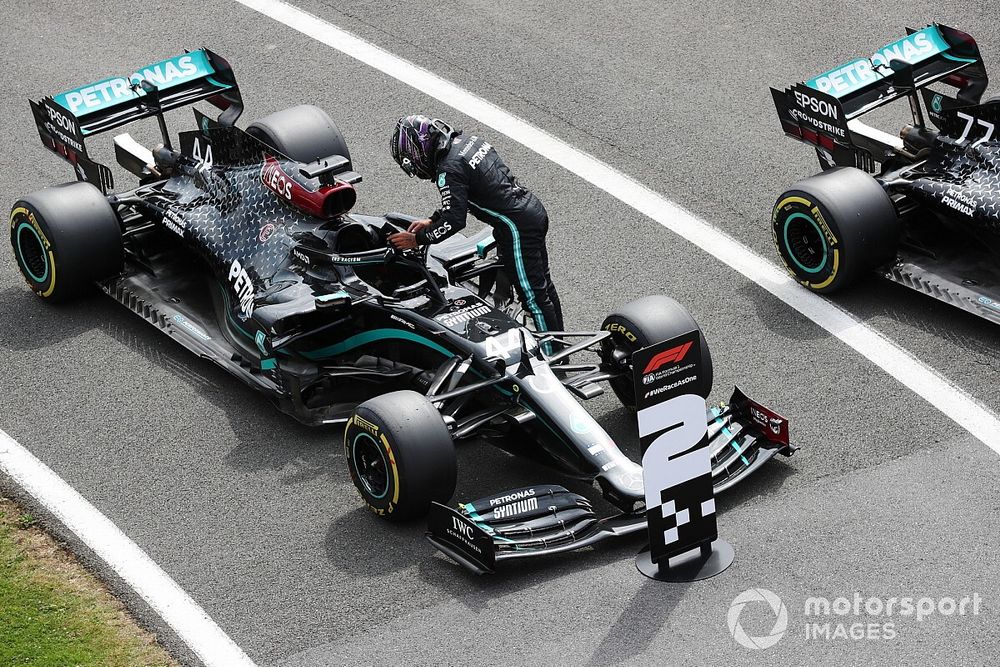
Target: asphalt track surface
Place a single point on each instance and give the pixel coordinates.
(255, 516)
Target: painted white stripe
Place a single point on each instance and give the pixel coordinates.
(194, 627)
(951, 400)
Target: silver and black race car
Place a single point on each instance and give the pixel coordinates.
(922, 207)
(240, 245)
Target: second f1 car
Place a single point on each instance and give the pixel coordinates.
(922, 207)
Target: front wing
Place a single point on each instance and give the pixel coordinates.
(548, 519)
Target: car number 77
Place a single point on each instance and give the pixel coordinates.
(969, 122)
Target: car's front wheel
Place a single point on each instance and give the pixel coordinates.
(400, 455)
(641, 323)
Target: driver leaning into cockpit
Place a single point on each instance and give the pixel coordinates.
(472, 178)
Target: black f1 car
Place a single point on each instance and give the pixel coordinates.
(240, 246)
(922, 207)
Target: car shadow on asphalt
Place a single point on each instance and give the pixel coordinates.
(874, 298)
(266, 439)
(641, 620)
(39, 324)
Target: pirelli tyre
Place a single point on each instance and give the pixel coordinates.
(832, 227)
(641, 323)
(64, 238)
(304, 133)
(400, 455)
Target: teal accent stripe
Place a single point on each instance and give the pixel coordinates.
(726, 432)
(215, 82)
(482, 245)
(20, 251)
(478, 520)
(370, 337)
(957, 59)
(268, 364)
(522, 275)
(788, 243)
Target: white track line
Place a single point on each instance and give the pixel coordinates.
(923, 380)
(174, 606)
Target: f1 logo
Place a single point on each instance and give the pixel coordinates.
(673, 355)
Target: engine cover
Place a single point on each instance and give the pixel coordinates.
(307, 195)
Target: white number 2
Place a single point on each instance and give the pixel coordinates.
(683, 418)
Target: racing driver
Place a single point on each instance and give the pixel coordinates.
(472, 178)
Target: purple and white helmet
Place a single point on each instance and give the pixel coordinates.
(416, 142)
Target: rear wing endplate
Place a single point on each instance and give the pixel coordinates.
(820, 111)
(65, 120)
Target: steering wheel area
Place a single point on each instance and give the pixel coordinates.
(401, 274)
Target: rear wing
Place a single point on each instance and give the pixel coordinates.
(65, 120)
(822, 111)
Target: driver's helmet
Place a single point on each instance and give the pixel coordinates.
(417, 142)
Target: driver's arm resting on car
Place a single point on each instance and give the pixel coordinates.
(408, 239)
(445, 221)
(450, 218)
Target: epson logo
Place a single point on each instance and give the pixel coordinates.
(817, 105)
(62, 121)
(511, 497)
(301, 256)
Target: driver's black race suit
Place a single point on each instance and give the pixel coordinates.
(473, 179)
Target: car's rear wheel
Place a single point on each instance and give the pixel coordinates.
(400, 455)
(832, 227)
(304, 133)
(64, 238)
(641, 323)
